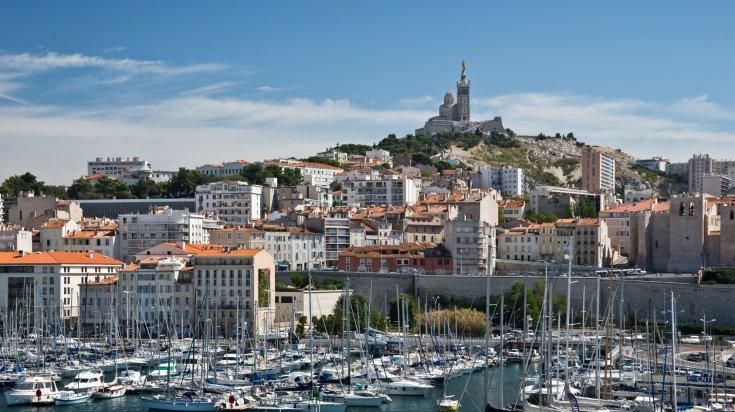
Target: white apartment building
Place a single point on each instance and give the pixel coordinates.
(508, 180)
(317, 174)
(519, 244)
(598, 170)
(234, 202)
(118, 167)
(385, 190)
(42, 284)
(292, 248)
(139, 232)
(656, 163)
(223, 169)
(14, 237)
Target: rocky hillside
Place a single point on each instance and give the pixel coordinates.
(556, 161)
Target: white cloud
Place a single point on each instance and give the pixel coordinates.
(211, 89)
(271, 89)
(33, 63)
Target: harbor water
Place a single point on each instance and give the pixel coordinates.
(471, 400)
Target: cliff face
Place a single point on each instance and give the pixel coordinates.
(556, 161)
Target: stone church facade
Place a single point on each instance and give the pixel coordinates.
(454, 113)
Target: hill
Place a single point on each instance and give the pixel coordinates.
(547, 160)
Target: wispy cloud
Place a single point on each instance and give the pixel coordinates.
(272, 89)
(114, 49)
(33, 63)
(211, 89)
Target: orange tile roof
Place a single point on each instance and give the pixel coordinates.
(228, 252)
(55, 223)
(55, 258)
(640, 206)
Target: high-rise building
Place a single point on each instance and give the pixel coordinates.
(507, 179)
(699, 166)
(598, 171)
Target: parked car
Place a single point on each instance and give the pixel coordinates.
(697, 357)
(730, 362)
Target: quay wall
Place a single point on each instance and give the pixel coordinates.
(641, 296)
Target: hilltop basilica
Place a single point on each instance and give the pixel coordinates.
(454, 114)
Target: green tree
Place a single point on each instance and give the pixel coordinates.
(82, 189)
(332, 323)
(184, 183)
(299, 280)
(264, 283)
(27, 182)
(148, 189)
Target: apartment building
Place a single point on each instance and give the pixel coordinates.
(292, 247)
(223, 169)
(118, 167)
(561, 200)
(230, 279)
(699, 166)
(590, 243)
(98, 314)
(14, 237)
(139, 232)
(381, 190)
(411, 258)
(32, 211)
(34, 285)
(506, 179)
(598, 170)
(233, 202)
(469, 243)
(157, 290)
(317, 174)
(617, 220)
(520, 243)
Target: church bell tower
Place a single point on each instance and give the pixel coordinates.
(462, 108)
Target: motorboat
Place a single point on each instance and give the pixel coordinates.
(447, 403)
(72, 398)
(33, 389)
(406, 387)
(130, 377)
(86, 381)
(163, 370)
(354, 398)
(112, 391)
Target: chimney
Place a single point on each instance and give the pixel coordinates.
(90, 254)
(21, 253)
(181, 245)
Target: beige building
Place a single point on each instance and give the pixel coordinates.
(469, 243)
(522, 243)
(590, 242)
(32, 212)
(598, 170)
(227, 279)
(618, 222)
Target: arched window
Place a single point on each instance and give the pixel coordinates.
(681, 208)
(691, 208)
(732, 214)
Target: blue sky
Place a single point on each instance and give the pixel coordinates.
(186, 83)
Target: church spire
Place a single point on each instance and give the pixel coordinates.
(463, 76)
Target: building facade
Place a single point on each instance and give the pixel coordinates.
(598, 171)
(139, 232)
(233, 202)
(118, 167)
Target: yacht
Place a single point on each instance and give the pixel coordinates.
(355, 398)
(164, 370)
(406, 387)
(86, 381)
(112, 391)
(72, 398)
(33, 389)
